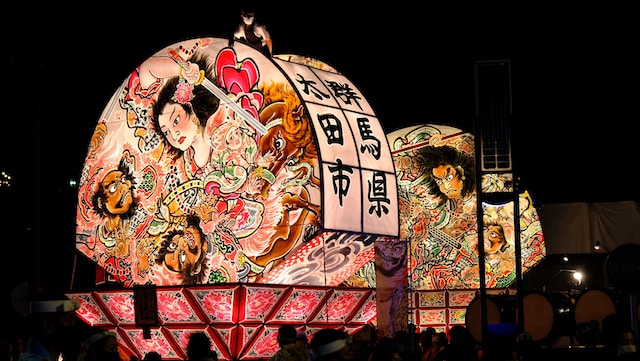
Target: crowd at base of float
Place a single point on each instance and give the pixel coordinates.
(55, 333)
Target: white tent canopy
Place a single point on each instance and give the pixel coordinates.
(576, 227)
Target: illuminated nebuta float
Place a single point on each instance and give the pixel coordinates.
(435, 167)
(437, 195)
(212, 164)
(215, 165)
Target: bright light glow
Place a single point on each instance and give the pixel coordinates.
(577, 276)
(599, 246)
(5, 179)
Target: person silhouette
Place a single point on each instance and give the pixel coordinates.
(330, 344)
(252, 33)
(199, 348)
(289, 350)
(101, 345)
(55, 332)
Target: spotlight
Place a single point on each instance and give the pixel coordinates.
(565, 258)
(599, 246)
(577, 275)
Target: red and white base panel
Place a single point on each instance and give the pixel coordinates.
(242, 319)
